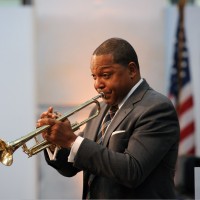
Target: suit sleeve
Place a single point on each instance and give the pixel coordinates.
(61, 164)
(153, 135)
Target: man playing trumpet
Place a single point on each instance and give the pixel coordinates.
(129, 150)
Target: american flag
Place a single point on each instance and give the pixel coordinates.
(180, 91)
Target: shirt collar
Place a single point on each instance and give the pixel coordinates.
(130, 92)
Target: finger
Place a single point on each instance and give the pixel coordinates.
(43, 115)
(37, 125)
(46, 121)
(56, 114)
(51, 115)
(50, 109)
(49, 136)
(47, 113)
(46, 136)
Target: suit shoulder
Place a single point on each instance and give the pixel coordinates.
(155, 95)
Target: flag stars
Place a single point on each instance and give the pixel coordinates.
(183, 74)
(184, 64)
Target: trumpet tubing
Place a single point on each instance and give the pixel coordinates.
(8, 148)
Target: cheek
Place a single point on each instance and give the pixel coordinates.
(115, 84)
(120, 87)
(94, 85)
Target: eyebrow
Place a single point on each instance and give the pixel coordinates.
(105, 66)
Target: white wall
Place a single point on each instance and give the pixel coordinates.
(18, 102)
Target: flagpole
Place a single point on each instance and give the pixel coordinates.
(181, 6)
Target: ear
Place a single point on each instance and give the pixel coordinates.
(133, 70)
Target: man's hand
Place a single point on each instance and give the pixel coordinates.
(48, 114)
(60, 133)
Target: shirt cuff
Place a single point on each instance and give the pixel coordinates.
(75, 148)
(52, 155)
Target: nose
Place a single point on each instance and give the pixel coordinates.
(99, 84)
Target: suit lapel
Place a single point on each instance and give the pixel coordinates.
(126, 109)
(120, 116)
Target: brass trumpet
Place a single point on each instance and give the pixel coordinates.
(8, 148)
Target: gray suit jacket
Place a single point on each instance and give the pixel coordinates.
(138, 156)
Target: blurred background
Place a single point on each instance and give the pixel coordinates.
(45, 51)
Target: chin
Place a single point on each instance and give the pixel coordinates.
(109, 102)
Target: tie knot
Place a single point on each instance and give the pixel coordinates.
(113, 110)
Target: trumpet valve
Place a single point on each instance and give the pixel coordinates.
(26, 150)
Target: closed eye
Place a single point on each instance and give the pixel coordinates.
(93, 76)
(106, 75)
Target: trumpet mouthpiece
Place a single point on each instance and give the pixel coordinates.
(102, 95)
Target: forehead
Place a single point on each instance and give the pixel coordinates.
(101, 61)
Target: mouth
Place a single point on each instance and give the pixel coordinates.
(106, 95)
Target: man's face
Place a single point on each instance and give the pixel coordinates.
(114, 80)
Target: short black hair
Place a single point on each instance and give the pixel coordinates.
(122, 51)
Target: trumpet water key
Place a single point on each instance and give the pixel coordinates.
(8, 148)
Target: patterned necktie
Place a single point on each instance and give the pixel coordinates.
(105, 123)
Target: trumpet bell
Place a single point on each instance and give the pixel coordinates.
(6, 156)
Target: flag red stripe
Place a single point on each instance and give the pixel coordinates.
(188, 130)
(192, 151)
(185, 105)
